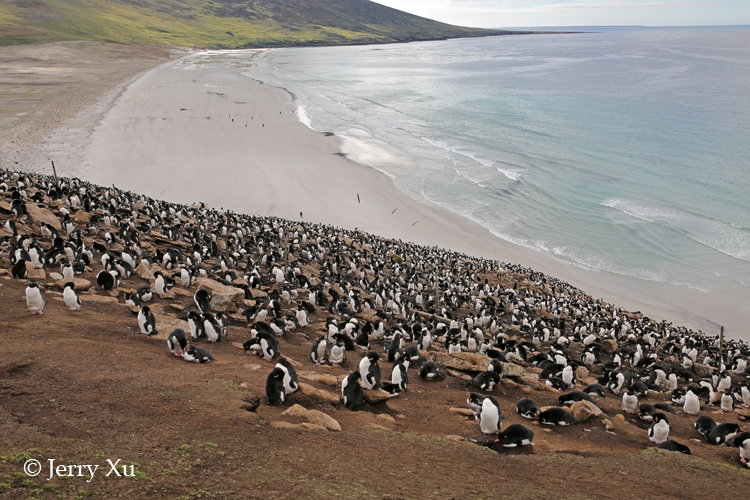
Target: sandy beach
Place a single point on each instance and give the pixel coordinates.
(195, 129)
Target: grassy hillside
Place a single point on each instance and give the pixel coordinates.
(217, 23)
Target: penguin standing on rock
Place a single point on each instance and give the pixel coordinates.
(34, 298)
(146, 321)
(369, 370)
(202, 299)
(352, 392)
(177, 342)
(72, 301)
(658, 431)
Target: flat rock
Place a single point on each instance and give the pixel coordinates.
(223, 298)
(280, 424)
(81, 285)
(454, 437)
(144, 272)
(256, 293)
(314, 417)
(469, 361)
(318, 377)
(462, 411)
(386, 418)
(376, 396)
(33, 273)
(313, 427)
(40, 214)
(609, 345)
(458, 374)
(703, 370)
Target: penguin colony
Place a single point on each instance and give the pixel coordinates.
(383, 301)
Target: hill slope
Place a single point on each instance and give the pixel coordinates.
(218, 23)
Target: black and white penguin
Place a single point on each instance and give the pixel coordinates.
(557, 416)
(671, 445)
(646, 412)
(146, 321)
(72, 301)
(66, 269)
(19, 270)
(337, 354)
(177, 342)
(160, 283)
(692, 404)
(526, 407)
(429, 371)
(195, 322)
(515, 435)
(196, 354)
(202, 299)
(616, 382)
(269, 347)
(665, 407)
(291, 381)
(318, 350)
(352, 392)
(573, 397)
(145, 294)
(727, 401)
(704, 425)
(131, 299)
(596, 390)
(658, 431)
(302, 316)
(490, 418)
(370, 371)
(106, 280)
(34, 298)
(743, 443)
(275, 391)
(629, 401)
(213, 330)
(486, 380)
(475, 402)
(399, 373)
(723, 433)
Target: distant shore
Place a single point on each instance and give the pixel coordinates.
(187, 132)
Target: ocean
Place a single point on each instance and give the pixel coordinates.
(624, 153)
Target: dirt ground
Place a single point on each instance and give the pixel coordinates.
(84, 387)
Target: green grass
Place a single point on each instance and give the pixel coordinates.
(216, 23)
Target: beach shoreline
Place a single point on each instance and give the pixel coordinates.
(184, 132)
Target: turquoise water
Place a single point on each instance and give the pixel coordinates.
(623, 153)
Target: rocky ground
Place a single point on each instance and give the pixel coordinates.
(85, 388)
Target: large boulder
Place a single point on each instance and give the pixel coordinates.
(703, 370)
(39, 215)
(81, 285)
(609, 345)
(223, 298)
(584, 410)
(469, 361)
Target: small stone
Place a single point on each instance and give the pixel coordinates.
(454, 437)
(608, 425)
(462, 411)
(386, 418)
(376, 396)
(584, 410)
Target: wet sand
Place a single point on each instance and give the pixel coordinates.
(195, 129)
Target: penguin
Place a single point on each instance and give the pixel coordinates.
(557, 416)
(646, 412)
(723, 433)
(616, 382)
(704, 425)
(515, 435)
(177, 342)
(370, 371)
(302, 316)
(275, 392)
(202, 299)
(196, 354)
(665, 407)
(160, 283)
(573, 397)
(106, 280)
(475, 402)
(132, 299)
(146, 321)
(318, 350)
(629, 401)
(66, 269)
(596, 390)
(19, 270)
(486, 380)
(269, 347)
(400, 375)
(429, 371)
(490, 418)
(352, 392)
(727, 401)
(526, 407)
(743, 443)
(144, 294)
(34, 298)
(291, 381)
(213, 330)
(658, 431)
(195, 322)
(337, 354)
(671, 445)
(186, 277)
(72, 301)
(692, 405)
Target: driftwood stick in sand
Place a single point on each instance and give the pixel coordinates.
(54, 171)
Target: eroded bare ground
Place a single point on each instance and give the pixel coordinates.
(86, 387)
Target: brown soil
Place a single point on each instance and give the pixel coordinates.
(84, 387)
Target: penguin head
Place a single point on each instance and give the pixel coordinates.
(32, 284)
(70, 285)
